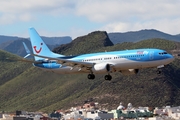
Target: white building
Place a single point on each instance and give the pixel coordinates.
(174, 113)
(97, 115)
(6, 117)
(82, 114)
(75, 115)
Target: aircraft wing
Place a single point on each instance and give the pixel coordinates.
(68, 62)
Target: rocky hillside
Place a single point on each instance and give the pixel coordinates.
(85, 44)
(27, 88)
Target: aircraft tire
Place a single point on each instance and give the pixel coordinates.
(108, 77)
(91, 76)
(159, 72)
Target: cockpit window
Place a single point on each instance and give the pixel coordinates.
(161, 53)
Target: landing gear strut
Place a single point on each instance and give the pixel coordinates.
(91, 76)
(159, 69)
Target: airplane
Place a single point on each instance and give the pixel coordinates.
(127, 62)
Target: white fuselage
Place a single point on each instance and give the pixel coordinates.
(120, 60)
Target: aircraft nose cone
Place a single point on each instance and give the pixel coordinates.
(171, 58)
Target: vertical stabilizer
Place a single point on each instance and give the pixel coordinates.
(39, 47)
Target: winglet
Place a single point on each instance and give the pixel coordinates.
(27, 50)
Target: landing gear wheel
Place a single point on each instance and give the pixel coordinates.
(108, 77)
(91, 76)
(159, 71)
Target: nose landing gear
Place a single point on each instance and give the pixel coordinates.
(159, 71)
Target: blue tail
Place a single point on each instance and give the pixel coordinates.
(39, 47)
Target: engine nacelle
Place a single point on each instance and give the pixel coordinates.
(101, 68)
(129, 71)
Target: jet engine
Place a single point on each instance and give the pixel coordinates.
(129, 71)
(101, 68)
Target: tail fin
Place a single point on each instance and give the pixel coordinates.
(39, 47)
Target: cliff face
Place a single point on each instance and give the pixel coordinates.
(85, 44)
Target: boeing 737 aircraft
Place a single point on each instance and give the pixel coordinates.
(127, 62)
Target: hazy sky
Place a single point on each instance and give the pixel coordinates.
(79, 17)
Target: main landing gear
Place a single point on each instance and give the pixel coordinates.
(91, 76)
(106, 77)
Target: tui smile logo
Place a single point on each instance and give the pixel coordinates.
(38, 51)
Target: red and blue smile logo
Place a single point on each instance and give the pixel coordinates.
(38, 51)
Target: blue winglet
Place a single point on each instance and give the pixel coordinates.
(27, 50)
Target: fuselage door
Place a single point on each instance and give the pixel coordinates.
(151, 55)
(50, 64)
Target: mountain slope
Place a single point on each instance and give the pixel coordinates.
(33, 89)
(57, 40)
(4, 38)
(10, 69)
(136, 36)
(16, 46)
